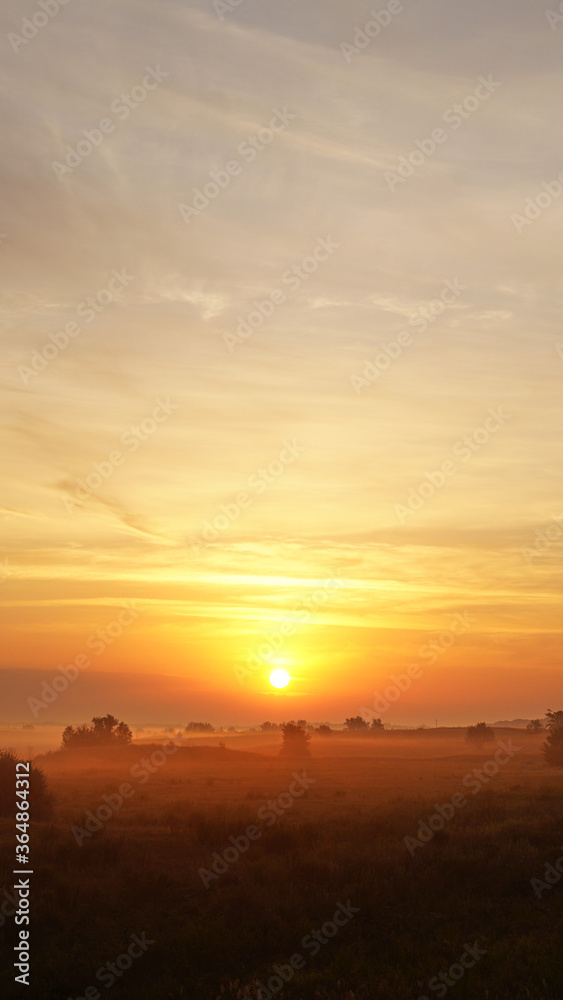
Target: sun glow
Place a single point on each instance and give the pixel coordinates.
(279, 678)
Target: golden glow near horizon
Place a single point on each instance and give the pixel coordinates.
(283, 365)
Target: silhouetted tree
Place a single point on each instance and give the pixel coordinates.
(553, 747)
(377, 726)
(553, 720)
(269, 727)
(324, 730)
(356, 723)
(199, 727)
(39, 797)
(105, 731)
(535, 726)
(295, 741)
(481, 733)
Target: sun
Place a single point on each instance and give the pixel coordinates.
(279, 678)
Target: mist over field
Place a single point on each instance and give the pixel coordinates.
(232, 859)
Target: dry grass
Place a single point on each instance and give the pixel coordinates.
(342, 840)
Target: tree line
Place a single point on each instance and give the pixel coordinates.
(106, 731)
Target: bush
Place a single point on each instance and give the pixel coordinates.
(105, 731)
(553, 720)
(39, 797)
(481, 733)
(296, 740)
(553, 747)
(356, 723)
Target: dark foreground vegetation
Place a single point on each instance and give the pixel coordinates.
(227, 864)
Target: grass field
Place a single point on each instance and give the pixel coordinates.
(331, 841)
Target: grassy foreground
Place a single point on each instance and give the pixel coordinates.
(341, 840)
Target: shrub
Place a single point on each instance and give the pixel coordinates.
(481, 733)
(553, 747)
(356, 723)
(105, 731)
(553, 720)
(296, 740)
(39, 797)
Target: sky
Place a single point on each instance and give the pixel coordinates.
(283, 362)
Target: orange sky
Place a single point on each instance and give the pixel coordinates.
(318, 373)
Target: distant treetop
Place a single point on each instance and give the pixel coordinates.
(296, 739)
(553, 747)
(356, 723)
(480, 733)
(554, 720)
(105, 731)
